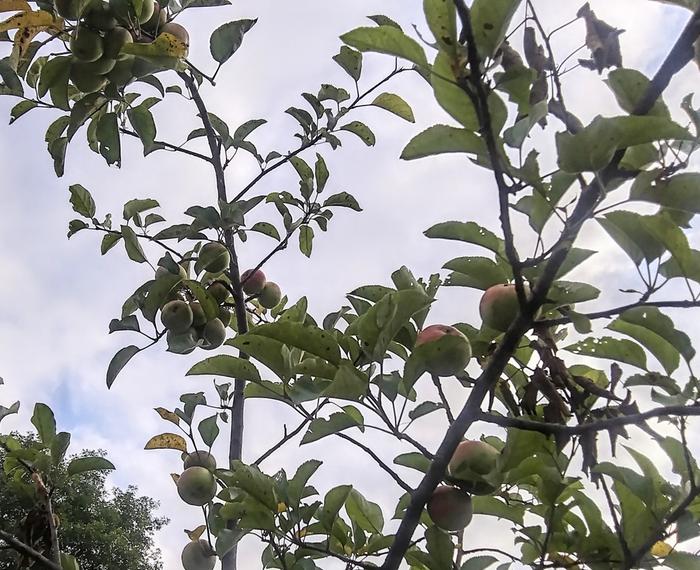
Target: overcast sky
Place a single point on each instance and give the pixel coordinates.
(59, 295)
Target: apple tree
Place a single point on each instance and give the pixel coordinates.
(563, 385)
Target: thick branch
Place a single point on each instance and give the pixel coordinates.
(22, 548)
(601, 425)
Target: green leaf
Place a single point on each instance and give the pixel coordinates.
(209, 430)
(266, 228)
(266, 350)
(246, 128)
(440, 548)
(450, 96)
(322, 174)
(479, 562)
(108, 140)
(396, 105)
(54, 75)
(13, 409)
(332, 503)
(83, 464)
(226, 39)
(629, 87)
(22, 108)
(348, 384)
(306, 337)
(442, 21)
(132, 245)
(338, 421)
(478, 272)
(367, 515)
(423, 409)
(620, 350)
(119, 360)
(68, 562)
(297, 484)
(59, 446)
(226, 365)
(158, 291)
(494, 507)
(82, 201)
(141, 120)
(343, 200)
(362, 131)
(469, 232)
(413, 460)
(388, 40)
(629, 231)
(44, 422)
(134, 207)
(351, 61)
(57, 150)
(679, 560)
(441, 139)
(679, 192)
(656, 331)
(490, 22)
(306, 240)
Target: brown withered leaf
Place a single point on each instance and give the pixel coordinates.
(534, 53)
(589, 450)
(602, 39)
(510, 59)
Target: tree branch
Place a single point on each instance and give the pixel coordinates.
(22, 548)
(618, 310)
(601, 425)
(171, 147)
(588, 199)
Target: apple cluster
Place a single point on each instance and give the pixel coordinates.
(183, 316)
(197, 486)
(267, 293)
(474, 467)
(100, 34)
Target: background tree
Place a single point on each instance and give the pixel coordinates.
(103, 528)
(370, 366)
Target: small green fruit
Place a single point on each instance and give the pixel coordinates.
(214, 334)
(100, 17)
(196, 486)
(444, 350)
(182, 343)
(225, 315)
(86, 44)
(122, 73)
(499, 306)
(132, 13)
(68, 9)
(214, 257)
(270, 296)
(198, 555)
(162, 272)
(253, 282)
(100, 67)
(157, 20)
(450, 508)
(199, 318)
(86, 81)
(200, 459)
(176, 316)
(115, 40)
(219, 291)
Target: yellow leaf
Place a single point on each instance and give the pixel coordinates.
(167, 441)
(14, 6)
(23, 38)
(167, 415)
(196, 533)
(29, 20)
(165, 49)
(175, 477)
(661, 549)
(281, 507)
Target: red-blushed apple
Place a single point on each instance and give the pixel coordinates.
(474, 464)
(196, 486)
(499, 306)
(450, 508)
(443, 349)
(253, 281)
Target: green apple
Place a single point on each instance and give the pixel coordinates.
(443, 350)
(270, 296)
(499, 306)
(200, 459)
(198, 555)
(196, 486)
(86, 44)
(176, 316)
(214, 257)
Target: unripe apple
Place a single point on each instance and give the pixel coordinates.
(450, 508)
(100, 17)
(444, 350)
(176, 30)
(86, 81)
(199, 318)
(157, 20)
(214, 257)
(196, 486)
(499, 306)
(86, 44)
(162, 272)
(200, 459)
(270, 296)
(182, 343)
(198, 555)
(176, 316)
(253, 282)
(115, 40)
(214, 334)
(131, 12)
(219, 291)
(471, 463)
